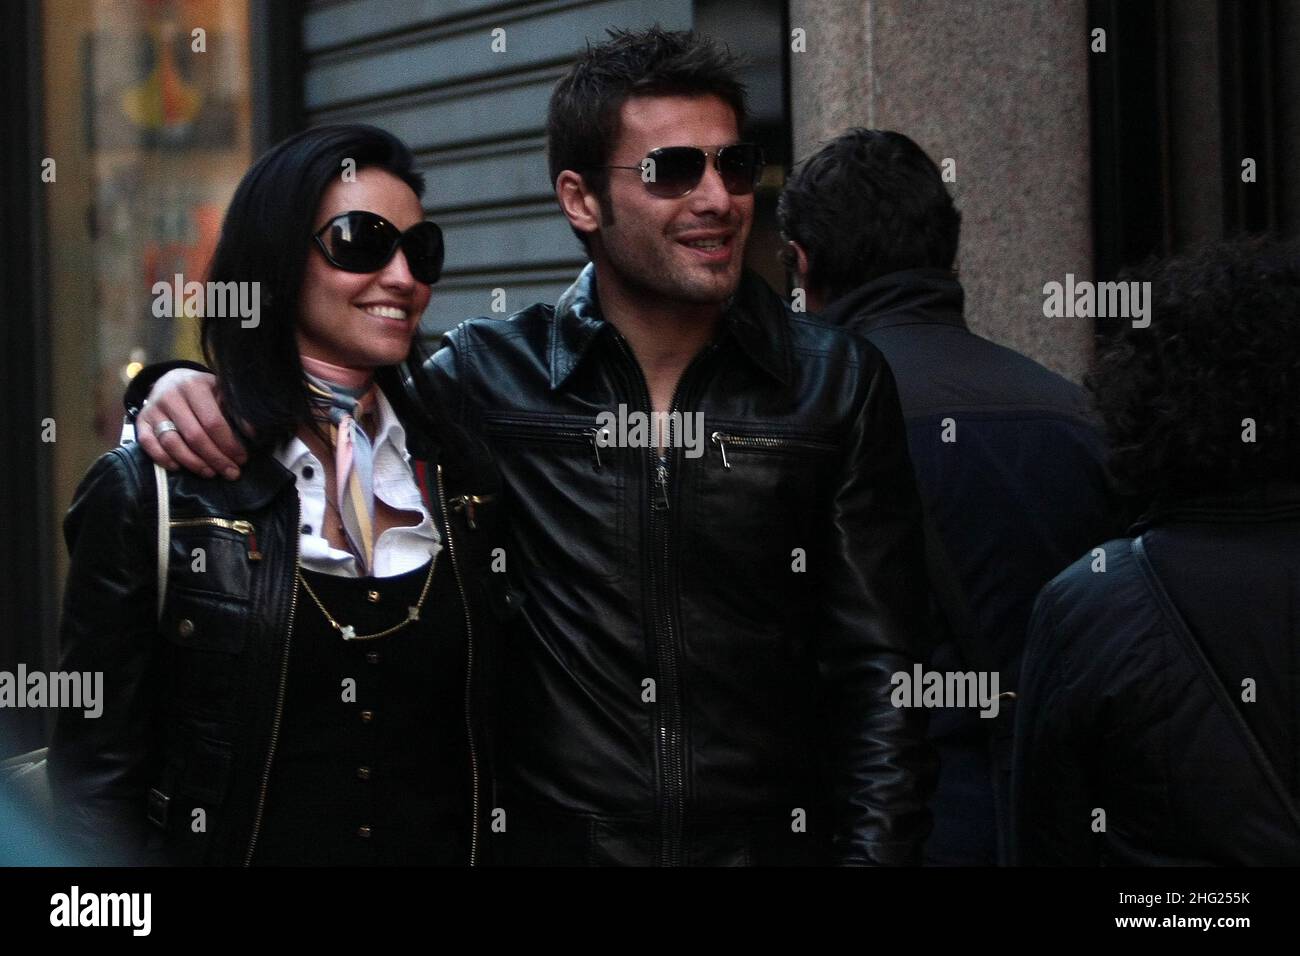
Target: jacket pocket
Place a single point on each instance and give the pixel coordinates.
(729, 443)
(197, 772)
(213, 554)
(576, 531)
(186, 802)
(757, 532)
(201, 654)
(202, 622)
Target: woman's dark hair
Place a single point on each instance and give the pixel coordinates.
(582, 122)
(868, 203)
(265, 238)
(1223, 345)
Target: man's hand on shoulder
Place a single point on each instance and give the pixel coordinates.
(202, 441)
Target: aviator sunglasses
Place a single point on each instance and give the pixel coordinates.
(361, 241)
(670, 172)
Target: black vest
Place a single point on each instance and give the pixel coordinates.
(375, 772)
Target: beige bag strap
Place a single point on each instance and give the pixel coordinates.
(164, 533)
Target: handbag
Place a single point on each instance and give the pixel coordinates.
(25, 777)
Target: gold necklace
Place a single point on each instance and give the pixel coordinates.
(348, 632)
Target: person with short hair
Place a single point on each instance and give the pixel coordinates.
(713, 610)
(1007, 455)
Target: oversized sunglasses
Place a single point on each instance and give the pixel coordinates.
(361, 241)
(673, 171)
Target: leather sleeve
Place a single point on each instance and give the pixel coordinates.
(98, 766)
(881, 768)
(442, 376)
(137, 390)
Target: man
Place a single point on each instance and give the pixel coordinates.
(700, 669)
(1007, 458)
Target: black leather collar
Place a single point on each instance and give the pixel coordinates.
(758, 319)
(261, 478)
(577, 323)
(755, 318)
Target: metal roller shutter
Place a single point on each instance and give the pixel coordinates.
(475, 118)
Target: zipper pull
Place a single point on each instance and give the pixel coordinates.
(465, 503)
(592, 436)
(661, 479)
(246, 527)
(722, 447)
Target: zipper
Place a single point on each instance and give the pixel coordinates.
(530, 430)
(467, 504)
(661, 480)
(763, 443)
(238, 525)
(469, 665)
(279, 700)
(670, 743)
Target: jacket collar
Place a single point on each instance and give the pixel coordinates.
(755, 318)
(261, 478)
(576, 324)
(908, 297)
(1253, 502)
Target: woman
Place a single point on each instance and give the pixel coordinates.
(1156, 721)
(312, 690)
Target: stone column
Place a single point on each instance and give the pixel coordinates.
(1000, 87)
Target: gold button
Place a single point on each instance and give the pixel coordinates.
(372, 657)
(372, 597)
(185, 628)
(363, 832)
(363, 773)
(367, 716)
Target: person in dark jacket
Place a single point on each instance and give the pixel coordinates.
(1007, 456)
(713, 611)
(309, 687)
(1159, 693)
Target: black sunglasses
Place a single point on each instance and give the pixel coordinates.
(673, 171)
(361, 241)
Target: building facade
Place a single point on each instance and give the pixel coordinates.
(1078, 137)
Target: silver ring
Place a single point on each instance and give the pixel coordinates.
(164, 426)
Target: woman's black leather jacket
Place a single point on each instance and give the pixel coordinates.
(193, 701)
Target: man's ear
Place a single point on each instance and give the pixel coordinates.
(579, 204)
(796, 256)
(800, 263)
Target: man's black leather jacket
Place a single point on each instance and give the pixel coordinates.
(700, 672)
(193, 703)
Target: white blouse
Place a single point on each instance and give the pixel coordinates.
(399, 549)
